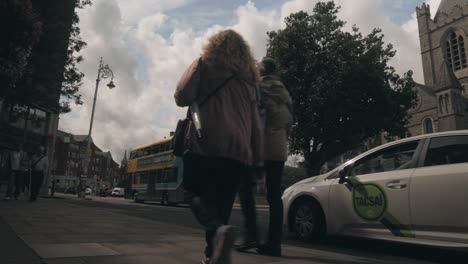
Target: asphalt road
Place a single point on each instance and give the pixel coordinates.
(181, 215)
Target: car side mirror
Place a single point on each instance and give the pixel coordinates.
(343, 175)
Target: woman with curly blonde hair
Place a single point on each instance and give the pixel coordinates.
(220, 87)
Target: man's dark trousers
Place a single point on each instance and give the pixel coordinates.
(274, 172)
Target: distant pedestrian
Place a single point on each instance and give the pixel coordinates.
(39, 169)
(52, 188)
(5, 167)
(219, 87)
(16, 173)
(26, 168)
(279, 120)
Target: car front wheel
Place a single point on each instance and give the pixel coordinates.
(308, 221)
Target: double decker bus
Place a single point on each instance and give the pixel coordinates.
(156, 174)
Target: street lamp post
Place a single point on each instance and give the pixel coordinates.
(104, 72)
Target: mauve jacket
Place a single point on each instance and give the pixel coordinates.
(230, 120)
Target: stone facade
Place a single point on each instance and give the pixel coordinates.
(443, 98)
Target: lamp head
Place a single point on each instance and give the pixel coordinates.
(111, 84)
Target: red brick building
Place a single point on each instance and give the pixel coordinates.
(67, 167)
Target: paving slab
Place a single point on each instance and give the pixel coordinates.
(13, 250)
(72, 250)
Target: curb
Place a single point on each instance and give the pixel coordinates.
(52, 197)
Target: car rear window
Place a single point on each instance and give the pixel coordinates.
(447, 150)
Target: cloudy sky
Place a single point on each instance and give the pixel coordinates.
(149, 43)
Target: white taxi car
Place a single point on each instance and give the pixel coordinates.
(411, 190)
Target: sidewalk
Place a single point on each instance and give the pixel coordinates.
(13, 249)
(61, 231)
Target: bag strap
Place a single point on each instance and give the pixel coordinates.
(37, 161)
(217, 88)
(213, 92)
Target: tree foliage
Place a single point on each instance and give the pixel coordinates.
(343, 89)
(21, 29)
(72, 77)
(43, 69)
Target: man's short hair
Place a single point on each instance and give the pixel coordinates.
(269, 65)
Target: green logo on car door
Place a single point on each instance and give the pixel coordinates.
(369, 201)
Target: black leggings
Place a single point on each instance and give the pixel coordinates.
(274, 171)
(214, 183)
(247, 201)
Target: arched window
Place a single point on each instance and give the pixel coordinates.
(455, 52)
(461, 45)
(446, 101)
(441, 104)
(428, 127)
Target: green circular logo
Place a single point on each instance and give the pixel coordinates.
(369, 201)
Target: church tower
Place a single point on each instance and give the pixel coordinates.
(425, 25)
(124, 161)
(123, 177)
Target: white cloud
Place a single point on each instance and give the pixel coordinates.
(253, 24)
(296, 6)
(135, 10)
(148, 63)
(433, 4)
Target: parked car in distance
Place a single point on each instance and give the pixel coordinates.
(411, 190)
(120, 192)
(88, 191)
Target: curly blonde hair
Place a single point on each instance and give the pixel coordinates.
(228, 48)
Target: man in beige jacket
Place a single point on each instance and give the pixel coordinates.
(279, 119)
(277, 104)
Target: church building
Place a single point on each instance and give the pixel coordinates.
(443, 98)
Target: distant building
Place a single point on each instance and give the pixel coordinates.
(70, 154)
(123, 172)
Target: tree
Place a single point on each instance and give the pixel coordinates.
(343, 89)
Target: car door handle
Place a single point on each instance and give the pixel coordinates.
(396, 185)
